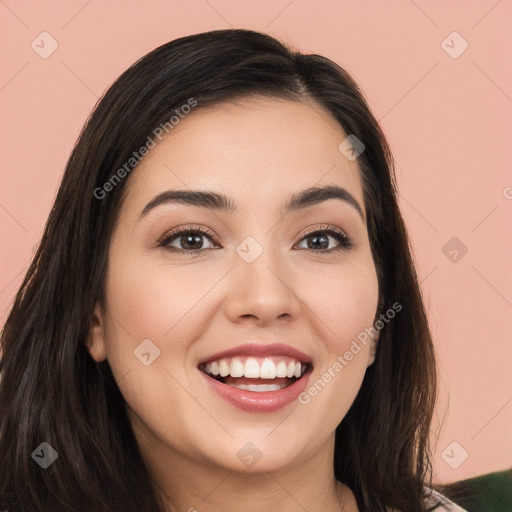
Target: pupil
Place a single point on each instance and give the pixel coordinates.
(189, 241)
(315, 238)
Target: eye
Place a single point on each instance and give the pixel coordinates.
(319, 239)
(190, 239)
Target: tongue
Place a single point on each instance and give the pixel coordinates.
(244, 380)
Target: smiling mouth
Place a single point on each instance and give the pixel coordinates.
(258, 374)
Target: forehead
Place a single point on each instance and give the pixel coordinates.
(257, 150)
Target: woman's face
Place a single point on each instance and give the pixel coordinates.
(272, 285)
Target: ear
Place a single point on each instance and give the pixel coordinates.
(96, 344)
(372, 349)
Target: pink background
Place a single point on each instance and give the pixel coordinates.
(447, 119)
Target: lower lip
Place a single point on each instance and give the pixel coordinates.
(255, 401)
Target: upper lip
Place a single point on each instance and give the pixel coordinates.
(260, 349)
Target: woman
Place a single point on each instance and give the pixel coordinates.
(223, 313)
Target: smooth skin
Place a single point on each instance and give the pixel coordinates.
(258, 151)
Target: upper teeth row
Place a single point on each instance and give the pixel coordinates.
(252, 369)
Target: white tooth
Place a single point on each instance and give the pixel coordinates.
(208, 368)
(281, 369)
(268, 369)
(258, 387)
(251, 368)
(215, 368)
(297, 370)
(237, 368)
(239, 386)
(291, 370)
(263, 387)
(223, 368)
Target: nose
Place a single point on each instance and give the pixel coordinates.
(263, 291)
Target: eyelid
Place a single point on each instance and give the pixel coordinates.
(322, 227)
(346, 241)
(188, 227)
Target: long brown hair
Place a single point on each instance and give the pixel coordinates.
(52, 391)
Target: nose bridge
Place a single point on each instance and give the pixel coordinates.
(259, 284)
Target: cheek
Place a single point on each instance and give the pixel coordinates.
(155, 301)
(345, 304)
(170, 307)
(344, 301)
(156, 304)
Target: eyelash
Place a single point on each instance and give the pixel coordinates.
(345, 241)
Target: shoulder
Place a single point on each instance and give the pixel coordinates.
(439, 503)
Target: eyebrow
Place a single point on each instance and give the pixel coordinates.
(220, 202)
